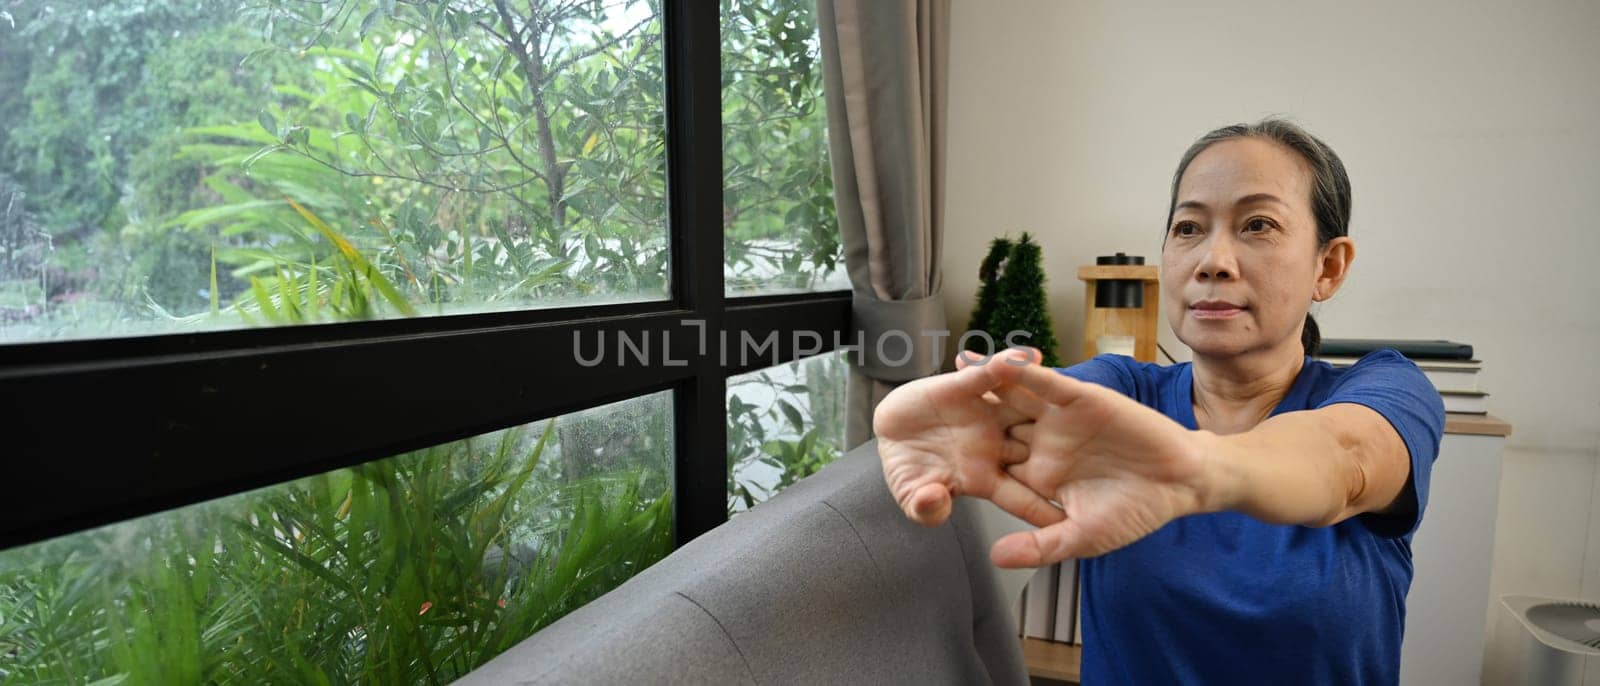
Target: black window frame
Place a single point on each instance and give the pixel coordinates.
(102, 430)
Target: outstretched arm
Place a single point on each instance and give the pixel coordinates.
(1122, 470)
(1314, 467)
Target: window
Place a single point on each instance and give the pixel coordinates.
(255, 254)
(784, 423)
(779, 225)
(229, 163)
(412, 569)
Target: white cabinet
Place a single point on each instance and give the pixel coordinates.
(1453, 553)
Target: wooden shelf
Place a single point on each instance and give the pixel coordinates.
(1475, 425)
(1051, 660)
(1121, 272)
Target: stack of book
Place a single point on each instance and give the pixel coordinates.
(1051, 605)
(1449, 365)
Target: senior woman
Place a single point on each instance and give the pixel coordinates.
(1244, 518)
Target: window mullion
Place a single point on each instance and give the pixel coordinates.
(694, 186)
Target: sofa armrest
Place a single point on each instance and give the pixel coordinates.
(826, 582)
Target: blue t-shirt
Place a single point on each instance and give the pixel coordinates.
(1222, 598)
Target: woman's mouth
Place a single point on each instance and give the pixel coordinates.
(1215, 309)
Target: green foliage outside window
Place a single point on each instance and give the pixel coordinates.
(779, 221)
(784, 424)
(476, 154)
(410, 570)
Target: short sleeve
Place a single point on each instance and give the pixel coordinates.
(1106, 370)
(1395, 388)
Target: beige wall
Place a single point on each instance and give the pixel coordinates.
(1472, 135)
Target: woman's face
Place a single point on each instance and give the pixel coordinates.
(1240, 264)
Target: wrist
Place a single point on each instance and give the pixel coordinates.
(1220, 477)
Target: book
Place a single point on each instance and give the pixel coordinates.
(1445, 375)
(1066, 601)
(1040, 613)
(1466, 402)
(1348, 360)
(1017, 608)
(1452, 380)
(1077, 620)
(1414, 349)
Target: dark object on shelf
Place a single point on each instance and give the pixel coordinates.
(1120, 293)
(1414, 349)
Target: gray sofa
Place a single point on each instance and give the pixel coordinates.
(825, 583)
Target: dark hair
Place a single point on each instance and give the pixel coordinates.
(1330, 186)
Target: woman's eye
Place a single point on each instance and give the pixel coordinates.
(1258, 224)
(1185, 229)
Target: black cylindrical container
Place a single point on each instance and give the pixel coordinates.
(1120, 293)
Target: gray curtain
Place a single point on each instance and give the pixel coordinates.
(885, 70)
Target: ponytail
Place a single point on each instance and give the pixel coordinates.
(1311, 336)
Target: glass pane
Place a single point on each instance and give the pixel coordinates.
(784, 423)
(413, 569)
(780, 233)
(227, 163)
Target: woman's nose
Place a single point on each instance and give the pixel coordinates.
(1218, 261)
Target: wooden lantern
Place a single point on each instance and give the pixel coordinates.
(1121, 315)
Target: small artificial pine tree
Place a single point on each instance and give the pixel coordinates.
(1021, 304)
(988, 293)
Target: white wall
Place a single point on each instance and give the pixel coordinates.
(1472, 135)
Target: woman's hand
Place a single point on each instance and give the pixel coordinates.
(1120, 470)
(941, 437)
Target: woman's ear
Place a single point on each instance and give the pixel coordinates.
(1333, 265)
